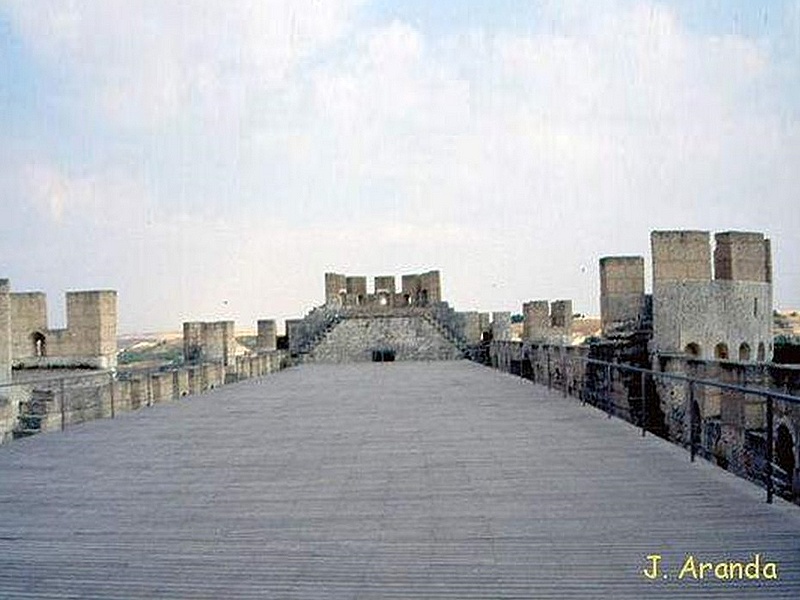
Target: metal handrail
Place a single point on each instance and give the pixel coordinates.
(608, 404)
(688, 379)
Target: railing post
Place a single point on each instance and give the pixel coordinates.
(691, 421)
(643, 411)
(608, 387)
(585, 368)
(111, 391)
(564, 369)
(63, 402)
(549, 374)
(770, 416)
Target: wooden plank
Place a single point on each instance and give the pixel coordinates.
(393, 480)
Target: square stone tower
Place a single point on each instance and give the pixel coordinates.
(501, 325)
(92, 323)
(728, 317)
(536, 323)
(5, 331)
(681, 256)
(742, 256)
(267, 335)
(335, 289)
(209, 342)
(622, 297)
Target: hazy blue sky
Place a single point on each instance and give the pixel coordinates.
(213, 159)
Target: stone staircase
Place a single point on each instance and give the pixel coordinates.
(447, 332)
(318, 324)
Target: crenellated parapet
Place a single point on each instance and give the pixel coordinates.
(88, 341)
(720, 309)
(417, 290)
(547, 322)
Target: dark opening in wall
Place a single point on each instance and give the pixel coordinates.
(39, 344)
(744, 351)
(721, 351)
(383, 355)
(692, 349)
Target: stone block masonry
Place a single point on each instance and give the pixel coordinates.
(88, 341)
(727, 317)
(209, 342)
(55, 403)
(501, 325)
(547, 322)
(5, 331)
(267, 335)
(419, 289)
(397, 338)
(622, 295)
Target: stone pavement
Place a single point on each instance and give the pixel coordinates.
(393, 480)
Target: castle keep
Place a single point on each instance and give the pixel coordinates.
(383, 324)
(720, 309)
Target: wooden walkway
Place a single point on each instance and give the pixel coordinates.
(395, 480)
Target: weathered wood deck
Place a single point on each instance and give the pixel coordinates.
(398, 480)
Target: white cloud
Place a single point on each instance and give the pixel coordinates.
(142, 62)
(499, 156)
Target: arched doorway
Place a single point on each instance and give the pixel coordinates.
(721, 351)
(761, 353)
(693, 349)
(784, 457)
(744, 351)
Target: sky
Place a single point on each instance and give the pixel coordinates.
(213, 159)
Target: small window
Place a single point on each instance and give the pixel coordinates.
(39, 344)
(721, 351)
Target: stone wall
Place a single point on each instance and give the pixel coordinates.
(419, 289)
(547, 322)
(622, 294)
(209, 342)
(356, 339)
(89, 339)
(40, 402)
(501, 325)
(731, 424)
(5, 333)
(713, 319)
(267, 335)
(728, 426)
(473, 333)
(729, 316)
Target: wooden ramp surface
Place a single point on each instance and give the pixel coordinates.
(394, 480)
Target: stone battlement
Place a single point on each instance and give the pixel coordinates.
(343, 291)
(89, 340)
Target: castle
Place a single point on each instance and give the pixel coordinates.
(721, 313)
